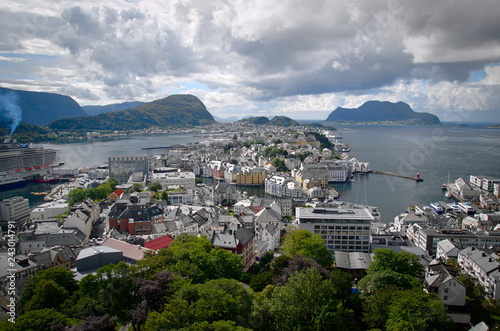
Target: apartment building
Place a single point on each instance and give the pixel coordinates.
(343, 228)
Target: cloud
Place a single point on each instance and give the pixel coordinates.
(258, 56)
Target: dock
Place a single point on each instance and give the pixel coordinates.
(416, 178)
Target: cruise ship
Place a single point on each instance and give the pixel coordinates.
(20, 163)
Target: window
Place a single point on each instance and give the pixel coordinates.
(445, 290)
(445, 298)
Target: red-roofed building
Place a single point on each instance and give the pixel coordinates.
(158, 243)
(116, 195)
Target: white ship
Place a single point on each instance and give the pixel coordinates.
(20, 163)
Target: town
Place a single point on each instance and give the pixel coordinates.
(136, 204)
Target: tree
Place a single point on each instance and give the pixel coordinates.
(379, 280)
(305, 243)
(91, 323)
(77, 195)
(404, 262)
(421, 310)
(306, 302)
(196, 304)
(60, 276)
(48, 294)
(112, 182)
(136, 187)
(110, 291)
(155, 187)
(193, 257)
(39, 320)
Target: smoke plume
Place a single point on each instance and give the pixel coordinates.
(10, 109)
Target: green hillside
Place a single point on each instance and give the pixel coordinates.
(175, 110)
(38, 108)
(382, 112)
(283, 121)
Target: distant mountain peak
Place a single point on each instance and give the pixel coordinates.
(174, 110)
(382, 112)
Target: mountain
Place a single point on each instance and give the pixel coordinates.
(38, 108)
(283, 121)
(96, 110)
(262, 120)
(175, 110)
(259, 120)
(226, 120)
(382, 112)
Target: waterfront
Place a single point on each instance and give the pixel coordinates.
(431, 151)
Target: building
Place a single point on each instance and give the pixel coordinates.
(94, 257)
(131, 253)
(121, 167)
(240, 241)
(135, 215)
(441, 280)
(283, 187)
(48, 211)
(343, 228)
(169, 177)
(354, 263)
(15, 211)
(250, 176)
(483, 267)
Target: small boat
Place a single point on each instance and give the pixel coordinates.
(448, 195)
(48, 179)
(39, 193)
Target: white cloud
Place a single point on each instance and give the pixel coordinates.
(257, 56)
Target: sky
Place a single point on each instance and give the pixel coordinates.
(293, 58)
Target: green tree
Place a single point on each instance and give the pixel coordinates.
(155, 187)
(60, 276)
(193, 257)
(198, 180)
(404, 262)
(280, 165)
(306, 302)
(112, 182)
(99, 193)
(77, 195)
(48, 294)
(376, 281)
(136, 187)
(421, 310)
(305, 243)
(111, 290)
(39, 320)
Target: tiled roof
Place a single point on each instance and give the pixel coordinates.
(162, 242)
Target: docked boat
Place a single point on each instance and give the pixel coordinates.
(437, 208)
(448, 195)
(48, 179)
(20, 162)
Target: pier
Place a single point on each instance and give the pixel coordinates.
(395, 174)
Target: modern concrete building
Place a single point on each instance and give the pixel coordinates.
(343, 228)
(15, 210)
(169, 177)
(123, 166)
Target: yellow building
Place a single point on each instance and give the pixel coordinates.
(250, 177)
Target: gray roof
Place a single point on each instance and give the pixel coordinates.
(224, 240)
(244, 235)
(352, 260)
(66, 237)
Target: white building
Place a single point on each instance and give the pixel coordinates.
(48, 211)
(169, 177)
(283, 187)
(342, 228)
(483, 267)
(14, 210)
